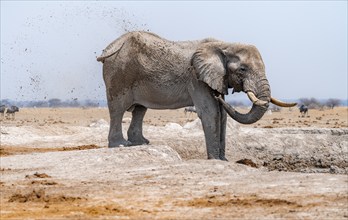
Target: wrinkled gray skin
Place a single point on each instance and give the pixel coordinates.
(142, 70)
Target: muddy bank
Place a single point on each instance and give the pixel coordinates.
(66, 171)
(283, 149)
(154, 182)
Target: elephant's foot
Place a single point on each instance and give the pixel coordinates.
(120, 143)
(212, 157)
(223, 158)
(215, 157)
(138, 140)
(222, 154)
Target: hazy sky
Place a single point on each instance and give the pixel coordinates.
(48, 48)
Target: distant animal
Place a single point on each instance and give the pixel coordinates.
(3, 110)
(275, 108)
(190, 109)
(142, 70)
(12, 110)
(303, 110)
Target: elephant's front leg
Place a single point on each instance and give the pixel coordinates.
(209, 113)
(212, 117)
(223, 120)
(211, 122)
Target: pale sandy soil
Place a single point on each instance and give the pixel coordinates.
(55, 165)
(289, 117)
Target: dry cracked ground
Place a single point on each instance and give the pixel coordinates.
(55, 165)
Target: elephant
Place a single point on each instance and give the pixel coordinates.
(141, 70)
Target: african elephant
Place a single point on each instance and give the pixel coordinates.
(142, 70)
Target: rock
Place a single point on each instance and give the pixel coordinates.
(194, 125)
(173, 126)
(247, 162)
(101, 123)
(126, 120)
(232, 124)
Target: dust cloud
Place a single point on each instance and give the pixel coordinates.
(52, 55)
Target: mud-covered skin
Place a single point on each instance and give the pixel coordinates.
(142, 70)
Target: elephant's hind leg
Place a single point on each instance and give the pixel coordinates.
(135, 131)
(116, 138)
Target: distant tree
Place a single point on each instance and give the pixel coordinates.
(5, 102)
(90, 103)
(237, 103)
(274, 108)
(38, 104)
(74, 103)
(331, 103)
(54, 103)
(310, 103)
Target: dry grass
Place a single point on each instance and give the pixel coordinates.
(331, 118)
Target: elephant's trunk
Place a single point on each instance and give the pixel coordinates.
(252, 116)
(260, 100)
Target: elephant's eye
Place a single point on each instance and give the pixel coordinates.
(242, 69)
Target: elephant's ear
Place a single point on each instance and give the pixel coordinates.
(208, 61)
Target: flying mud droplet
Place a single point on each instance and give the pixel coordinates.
(35, 82)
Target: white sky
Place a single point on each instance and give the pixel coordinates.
(48, 48)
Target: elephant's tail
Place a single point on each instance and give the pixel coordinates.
(108, 53)
(102, 58)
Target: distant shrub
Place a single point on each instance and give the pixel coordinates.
(90, 103)
(274, 108)
(311, 103)
(237, 103)
(37, 104)
(55, 103)
(331, 103)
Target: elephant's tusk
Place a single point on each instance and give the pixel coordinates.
(282, 104)
(255, 100)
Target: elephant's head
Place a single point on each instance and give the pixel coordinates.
(238, 66)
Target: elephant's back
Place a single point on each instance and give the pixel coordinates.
(148, 54)
(135, 37)
(140, 42)
(141, 57)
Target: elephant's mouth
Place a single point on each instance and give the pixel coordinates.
(236, 89)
